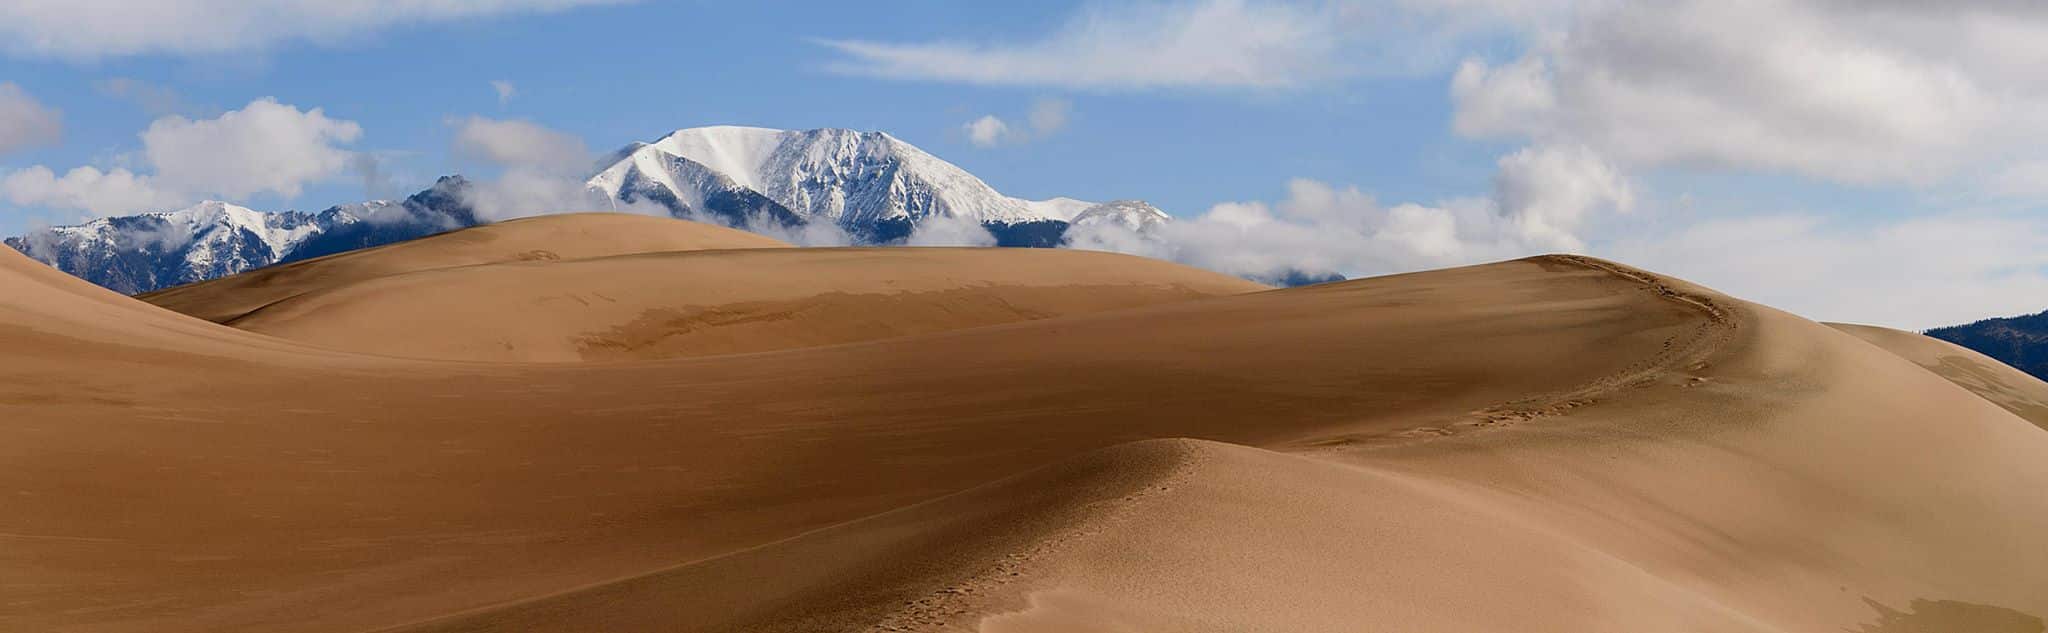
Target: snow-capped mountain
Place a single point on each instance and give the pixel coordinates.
(145, 252)
(1136, 215)
(152, 250)
(1060, 208)
(875, 187)
(854, 179)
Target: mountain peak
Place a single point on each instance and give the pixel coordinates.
(1137, 215)
(848, 177)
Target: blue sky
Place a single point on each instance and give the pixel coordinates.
(614, 74)
(1894, 151)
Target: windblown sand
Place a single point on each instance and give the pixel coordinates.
(1550, 444)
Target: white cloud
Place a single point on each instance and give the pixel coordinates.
(25, 122)
(1844, 91)
(92, 29)
(807, 234)
(1320, 229)
(505, 90)
(1911, 273)
(265, 147)
(1208, 44)
(1944, 97)
(987, 131)
(2026, 179)
(517, 143)
(949, 231)
(1549, 191)
(111, 192)
(1211, 43)
(540, 170)
(1046, 117)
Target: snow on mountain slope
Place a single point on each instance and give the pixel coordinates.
(851, 178)
(872, 187)
(144, 252)
(1136, 215)
(1060, 208)
(151, 250)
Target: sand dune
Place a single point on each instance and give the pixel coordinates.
(666, 305)
(1710, 496)
(539, 238)
(2017, 391)
(1552, 444)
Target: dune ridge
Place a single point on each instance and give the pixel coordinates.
(538, 238)
(696, 303)
(1549, 444)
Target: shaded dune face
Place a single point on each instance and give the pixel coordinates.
(1552, 444)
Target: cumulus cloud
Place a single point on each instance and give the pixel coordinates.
(109, 192)
(1542, 197)
(987, 131)
(1912, 273)
(24, 121)
(505, 90)
(1548, 192)
(1046, 117)
(265, 147)
(1942, 97)
(1844, 91)
(93, 29)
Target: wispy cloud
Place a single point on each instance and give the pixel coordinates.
(96, 29)
(1213, 43)
(26, 122)
(505, 90)
(1049, 115)
(155, 99)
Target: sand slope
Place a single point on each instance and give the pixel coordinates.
(1553, 444)
(539, 238)
(666, 305)
(2017, 391)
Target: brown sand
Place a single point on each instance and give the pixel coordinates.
(539, 238)
(666, 305)
(2017, 391)
(1554, 444)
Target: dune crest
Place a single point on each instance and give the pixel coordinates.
(700, 303)
(538, 238)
